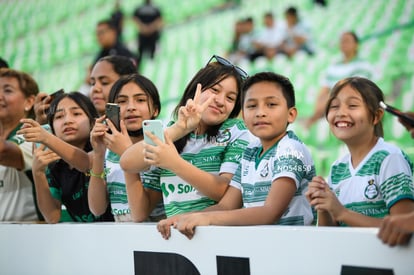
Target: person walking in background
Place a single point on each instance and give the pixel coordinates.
(17, 95)
(149, 23)
(117, 18)
(375, 178)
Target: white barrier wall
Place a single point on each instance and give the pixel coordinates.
(109, 248)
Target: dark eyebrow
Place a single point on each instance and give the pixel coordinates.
(99, 77)
(355, 97)
(7, 85)
(71, 108)
(134, 95)
(251, 99)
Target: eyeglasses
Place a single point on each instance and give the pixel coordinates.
(225, 62)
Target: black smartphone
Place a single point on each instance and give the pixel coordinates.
(112, 111)
(392, 110)
(55, 94)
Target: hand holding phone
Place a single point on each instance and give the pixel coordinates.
(112, 111)
(392, 110)
(155, 127)
(53, 96)
(48, 129)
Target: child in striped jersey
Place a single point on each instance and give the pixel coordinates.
(375, 178)
(193, 172)
(138, 100)
(270, 183)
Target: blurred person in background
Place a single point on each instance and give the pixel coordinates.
(243, 37)
(17, 95)
(117, 18)
(107, 37)
(269, 38)
(106, 34)
(349, 65)
(149, 23)
(297, 36)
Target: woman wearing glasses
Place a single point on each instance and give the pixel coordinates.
(194, 171)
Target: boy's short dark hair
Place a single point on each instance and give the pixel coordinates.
(107, 22)
(292, 11)
(248, 19)
(279, 80)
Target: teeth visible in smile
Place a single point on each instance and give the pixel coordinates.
(343, 124)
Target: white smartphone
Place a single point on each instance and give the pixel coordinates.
(153, 126)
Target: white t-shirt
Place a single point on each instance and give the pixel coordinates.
(340, 70)
(16, 190)
(272, 37)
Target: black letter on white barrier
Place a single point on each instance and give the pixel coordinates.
(150, 263)
(232, 265)
(357, 270)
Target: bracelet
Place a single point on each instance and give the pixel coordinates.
(92, 174)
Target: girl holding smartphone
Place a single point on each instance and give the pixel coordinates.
(203, 145)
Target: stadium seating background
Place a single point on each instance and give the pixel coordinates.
(55, 42)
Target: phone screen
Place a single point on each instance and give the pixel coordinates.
(113, 113)
(155, 127)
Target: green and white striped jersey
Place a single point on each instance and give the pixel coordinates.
(287, 158)
(384, 177)
(222, 154)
